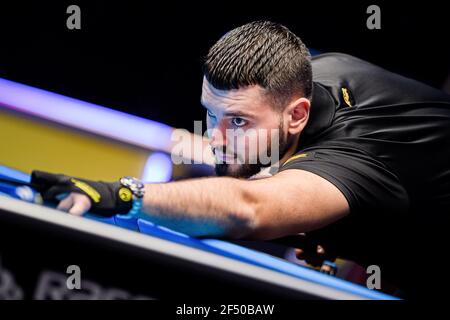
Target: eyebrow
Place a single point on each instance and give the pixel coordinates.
(238, 114)
(233, 113)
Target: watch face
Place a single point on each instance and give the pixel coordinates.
(135, 185)
(127, 180)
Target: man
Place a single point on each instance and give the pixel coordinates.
(363, 155)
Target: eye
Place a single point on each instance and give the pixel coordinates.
(238, 122)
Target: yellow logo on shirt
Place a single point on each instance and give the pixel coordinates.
(301, 155)
(346, 96)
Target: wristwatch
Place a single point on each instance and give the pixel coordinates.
(137, 189)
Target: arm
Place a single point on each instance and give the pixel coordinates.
(295, 201)
(290, 202)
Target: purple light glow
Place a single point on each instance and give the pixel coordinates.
(158, 168)
(85, 116)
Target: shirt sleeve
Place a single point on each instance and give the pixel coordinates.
(367, 184)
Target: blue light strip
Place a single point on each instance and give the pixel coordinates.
(7, 172)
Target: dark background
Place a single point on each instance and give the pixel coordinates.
(145, 58)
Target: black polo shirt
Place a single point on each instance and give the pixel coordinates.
(384, 141)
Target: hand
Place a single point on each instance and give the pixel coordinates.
(314, 257)
(308, 249)
(80, 195)
(75, 203)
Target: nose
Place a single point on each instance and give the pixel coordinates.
(217, 137)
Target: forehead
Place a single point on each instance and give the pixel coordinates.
(251, 98)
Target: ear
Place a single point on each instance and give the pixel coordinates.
(297, 114)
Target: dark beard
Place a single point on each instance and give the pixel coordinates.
(247, 170)
(244, 171)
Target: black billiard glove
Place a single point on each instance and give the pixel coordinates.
(107, 198)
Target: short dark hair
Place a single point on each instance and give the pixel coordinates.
(261, 53)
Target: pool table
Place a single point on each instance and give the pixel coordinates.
(132, 258)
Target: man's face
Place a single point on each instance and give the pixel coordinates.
(246, 133)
